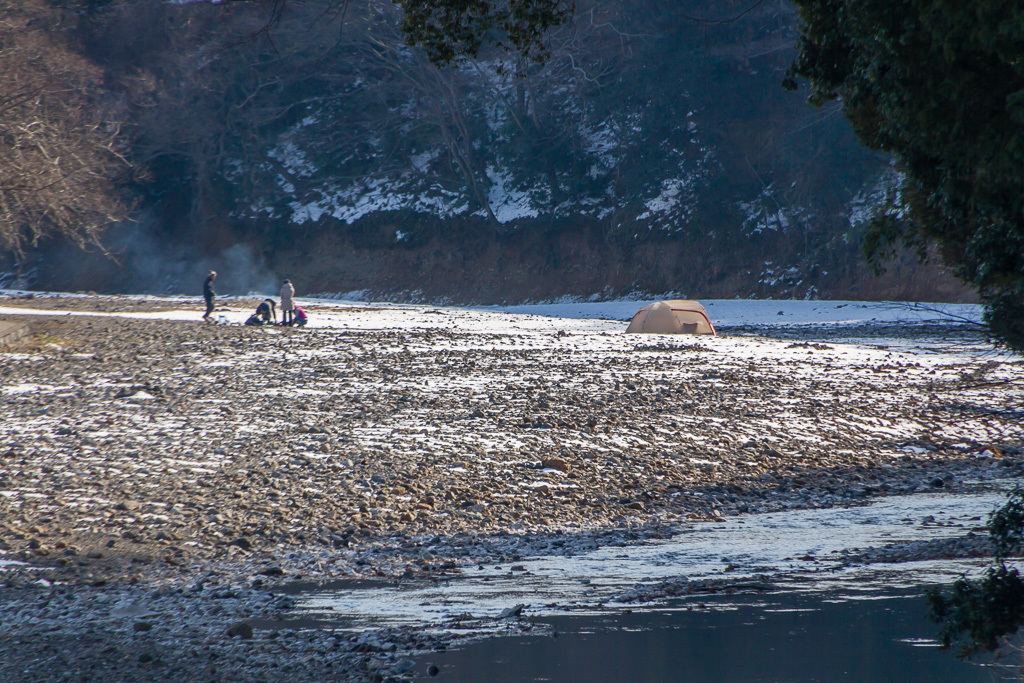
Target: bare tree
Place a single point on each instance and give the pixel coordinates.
(60, 152)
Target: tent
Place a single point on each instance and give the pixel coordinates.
(676, 316)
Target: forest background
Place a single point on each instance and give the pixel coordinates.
(653, 151)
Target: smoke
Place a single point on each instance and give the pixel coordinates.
(239, 271)
(145, 263)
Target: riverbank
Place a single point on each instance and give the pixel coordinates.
(156, 465)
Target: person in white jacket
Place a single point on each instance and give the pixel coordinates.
(287, 305)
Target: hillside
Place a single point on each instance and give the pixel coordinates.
(652, 152)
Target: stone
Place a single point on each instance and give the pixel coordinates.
(240, 629)
(510, 612)
(555, 464)
(242, 543)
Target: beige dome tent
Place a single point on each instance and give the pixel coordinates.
(672, 317)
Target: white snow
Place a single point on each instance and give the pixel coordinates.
(25, 388)
(765, 213)
(293, 158)
(506, 202)
(866, 204)
(735, 312)
(603, 143)
(569, 316)
(376, 194)
(675, 193)
(421, 162)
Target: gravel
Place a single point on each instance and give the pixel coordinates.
(170, 474)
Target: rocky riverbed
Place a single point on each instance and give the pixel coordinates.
(159, 476)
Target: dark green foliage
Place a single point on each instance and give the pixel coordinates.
(941, 86)
(979, 613)
(1004, 315)
(1006, 525)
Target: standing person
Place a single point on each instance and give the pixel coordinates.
(287, 306)
(209, 295)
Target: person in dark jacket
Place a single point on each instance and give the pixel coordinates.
(267, 311)
(209, 295)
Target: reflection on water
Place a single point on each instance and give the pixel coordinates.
(781, 637)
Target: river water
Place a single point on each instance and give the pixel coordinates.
(778, 637)
(765, 597)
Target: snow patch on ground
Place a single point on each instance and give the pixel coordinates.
(567, 314)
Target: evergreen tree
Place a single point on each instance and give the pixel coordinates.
(940, 85)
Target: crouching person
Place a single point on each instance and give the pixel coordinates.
(300, 317)
(267, 311)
